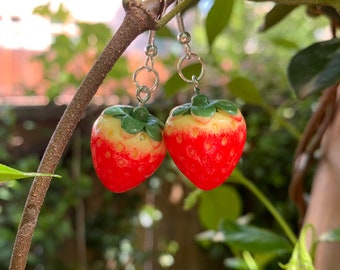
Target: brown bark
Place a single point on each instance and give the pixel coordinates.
(323, 210)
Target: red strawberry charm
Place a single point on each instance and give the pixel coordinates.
(205, 140)
(127, 146)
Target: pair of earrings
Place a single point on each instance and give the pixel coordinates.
(205, 138)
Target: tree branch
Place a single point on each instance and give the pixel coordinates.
(177, 9)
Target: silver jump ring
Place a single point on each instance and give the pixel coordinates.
(148, 69)
(180, 68)
(143, 94)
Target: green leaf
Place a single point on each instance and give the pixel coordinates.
(275, 15)
(131, 125)
(200, 100)
(61, 15)
(154, 120)
(285, 43)
(154, 131)
(182, 109)
(65, 50)
(219, 204)
(118, 110)
(253, 239)
(205, 111)
(315, 68)
(226, 106)
(218, 18)
(245, 89)
(301, 258)
(43, 10)
(262, 259)
(249, 260)
(235, 263)
(8, 173)
(331, 236)
(140, 114)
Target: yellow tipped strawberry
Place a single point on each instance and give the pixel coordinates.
(205, 140)
(127, 146)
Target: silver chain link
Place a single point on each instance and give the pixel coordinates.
(143, 92)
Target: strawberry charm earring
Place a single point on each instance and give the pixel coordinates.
(205, 138)
(127, 143)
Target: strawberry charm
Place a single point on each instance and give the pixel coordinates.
(205, 140)
(127, 143)
(127, 146)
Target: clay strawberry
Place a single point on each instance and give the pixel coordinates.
(205, 140)
(127, 146)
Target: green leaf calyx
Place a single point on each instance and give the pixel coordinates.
(135, 120)
(201, 106)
